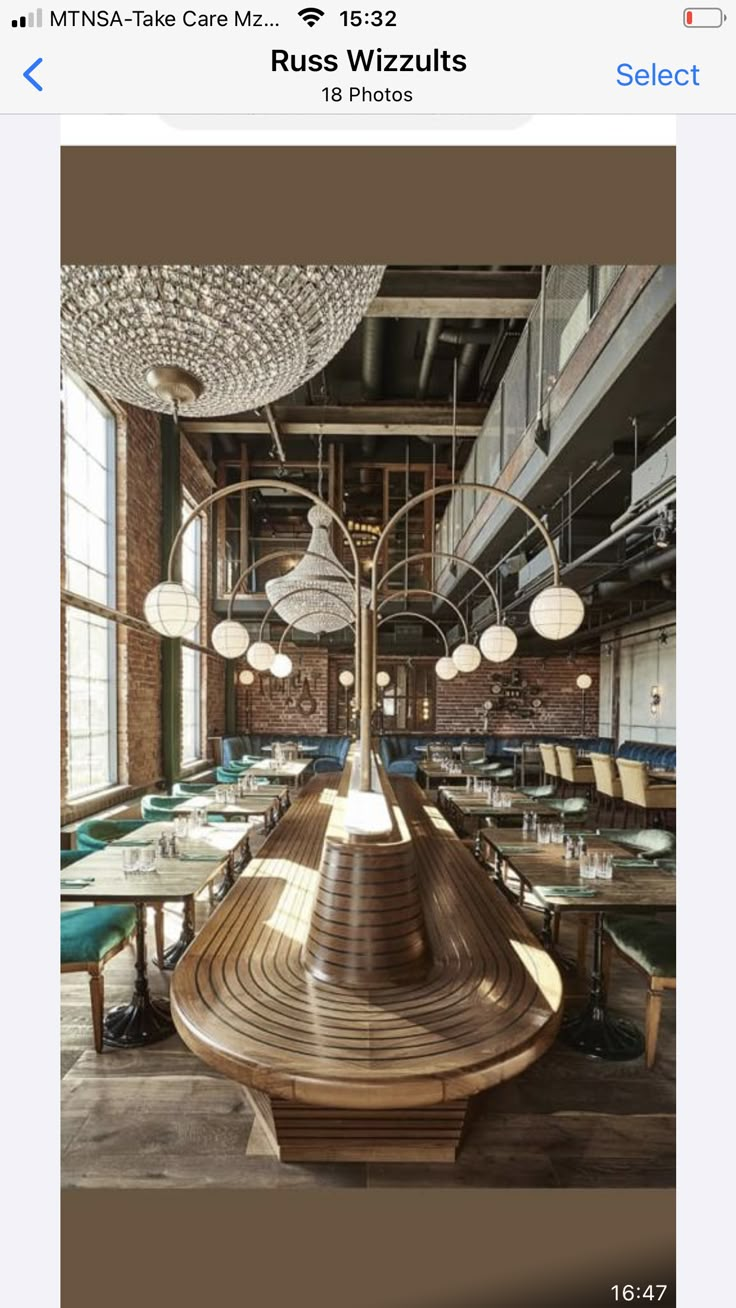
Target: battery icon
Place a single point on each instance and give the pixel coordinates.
(703, 17)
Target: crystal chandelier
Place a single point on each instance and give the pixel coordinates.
(208, 340)
(316, 595)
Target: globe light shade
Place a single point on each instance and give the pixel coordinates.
(246, 677)
(281, 666)
(445, 669)
(171, 609)
(584, 682)
(466, 658)
(230, 639)
(383, 680)
(261, 655)
(346, 679)
(498, 643)
(556, 612)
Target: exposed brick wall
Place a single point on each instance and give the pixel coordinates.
(459, 701)
(271, 705)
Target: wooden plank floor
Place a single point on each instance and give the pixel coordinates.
(158, 1117)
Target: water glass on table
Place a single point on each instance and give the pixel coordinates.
(131, 859)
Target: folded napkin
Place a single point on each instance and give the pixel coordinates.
(71, 882)
(573, 892)
(640, 863)
(132, 844)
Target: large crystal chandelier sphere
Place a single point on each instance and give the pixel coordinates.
(467, 658)
(498, 643)
(556, 612)
(172, 609)
(230, 639)
(316, 596)
(218, 339)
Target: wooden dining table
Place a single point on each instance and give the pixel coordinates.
(102, 879)
(637, 886)
(267, 802)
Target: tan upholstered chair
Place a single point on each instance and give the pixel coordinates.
(573, 773)
(640, 792)
(607, 782)
(549, 761)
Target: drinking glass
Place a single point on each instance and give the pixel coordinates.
(148, 861)
(604, 871)
(587, 867)
(543, 833)
(131, 858)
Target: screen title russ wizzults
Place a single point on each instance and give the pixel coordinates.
(375, 60)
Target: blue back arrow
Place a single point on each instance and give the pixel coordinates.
(32, 80)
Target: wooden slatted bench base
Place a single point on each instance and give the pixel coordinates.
(301, 1133)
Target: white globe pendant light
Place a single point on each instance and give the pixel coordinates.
(230, 639)
(556, 612)
(172, 609)
(584, 681)
(498, 643)
(383, 680)
(261, 655)
(246, 677)
(466, 658)
(281, 666)
(445, 669)
(346, 679)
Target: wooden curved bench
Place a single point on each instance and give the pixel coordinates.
(384, 1071)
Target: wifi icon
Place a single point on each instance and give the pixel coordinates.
(311, 16)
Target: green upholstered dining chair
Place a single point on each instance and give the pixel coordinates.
(90, 937)
(575, 808)
(71, 856)
(157, 808)
(650, 842)
(649, 945)
(185, 788)
(96, 833)
(227, 778)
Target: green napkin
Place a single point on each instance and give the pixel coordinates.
(73, 882)
(567, 891)
(631, 862)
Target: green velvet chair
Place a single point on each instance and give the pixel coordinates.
(96, 833)
(158, 808)
(650, 842)
(186, 788)
(538, 792)
(574, 809)
(649, 945)
(227, 778)
(90, 937)
(71, 856)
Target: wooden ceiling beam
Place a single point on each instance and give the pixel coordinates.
(445, 293)
(347, 421)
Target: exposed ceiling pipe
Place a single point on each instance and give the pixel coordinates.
(476, 334)
(646, 570)
(434, 328)
(374, 335)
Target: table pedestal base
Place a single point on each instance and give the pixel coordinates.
(300, 1133)
(143, 1021)
(595, 1032)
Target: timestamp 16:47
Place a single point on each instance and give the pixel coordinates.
(637, 1293)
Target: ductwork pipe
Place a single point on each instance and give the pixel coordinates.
(646, 570)
(434, 328)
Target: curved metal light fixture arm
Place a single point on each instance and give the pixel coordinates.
(422, 617)
(403, 594)
(444, 554)
(462, 486)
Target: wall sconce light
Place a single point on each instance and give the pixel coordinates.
(655, 700)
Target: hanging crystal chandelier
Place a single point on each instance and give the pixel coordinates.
(316, 595)
(208, 340)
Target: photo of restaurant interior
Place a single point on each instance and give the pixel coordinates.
(368, 726)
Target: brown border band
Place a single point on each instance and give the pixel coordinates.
(368, 204)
